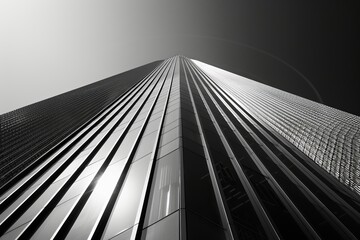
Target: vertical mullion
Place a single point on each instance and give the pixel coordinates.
(259, 209)
(148, 181)
(224, 213)
(182, 216)
(102, 221)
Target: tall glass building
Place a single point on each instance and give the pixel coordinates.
(179, 149)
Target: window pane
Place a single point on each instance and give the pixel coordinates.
(126, 235)
(166, 229)
(52, 222)
(38, 205)
(199, 192)
(125, 146)
(170, 135)
(165, 192)
(13, 233)
(146, 146)
(152, 126)
(125, 210)
(77, 188)
(201, 228)
(93, 207)
(169, 147)
(171, 125)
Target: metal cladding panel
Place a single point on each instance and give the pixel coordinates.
(189, 152)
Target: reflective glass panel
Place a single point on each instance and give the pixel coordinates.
(166, 229)
(165, 192)
(96, 203)
(52, 222)
(126, 207)
(146, 145)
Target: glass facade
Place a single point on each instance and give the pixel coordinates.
(330, 137)
(190, 152)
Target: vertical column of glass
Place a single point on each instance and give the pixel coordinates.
(162, 210)
(124, 218)
(246, 211)
(202, 215)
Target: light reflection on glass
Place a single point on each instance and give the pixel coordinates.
(169, 186)
(125, 211)
(165, 229)
(165, 196)
(97, 202)
(52, 222)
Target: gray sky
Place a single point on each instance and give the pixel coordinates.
(50, 47)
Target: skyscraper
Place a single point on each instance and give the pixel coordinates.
(187, 152)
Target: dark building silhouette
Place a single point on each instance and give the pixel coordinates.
(179, 149)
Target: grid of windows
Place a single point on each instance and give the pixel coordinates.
(186, 153)
(330, 137)
(33, 131)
